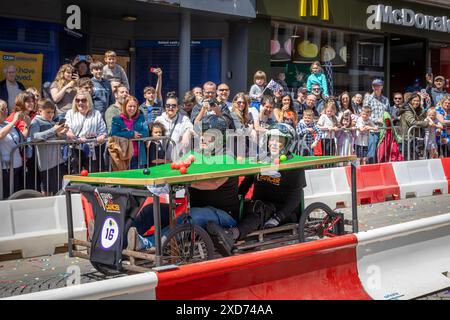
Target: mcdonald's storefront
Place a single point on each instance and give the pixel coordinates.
(356, 41)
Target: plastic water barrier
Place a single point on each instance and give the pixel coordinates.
(37, 226)
(407, 260)
(135, 287)
(420, 178)
(324, 269)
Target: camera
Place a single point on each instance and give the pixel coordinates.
(213, 102)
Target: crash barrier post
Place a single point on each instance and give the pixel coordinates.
(37, 226)
(328, 185)
(324, 269)
(407, 260)
(376, 183)
(446, 167)
(134, 287)
(420, 178)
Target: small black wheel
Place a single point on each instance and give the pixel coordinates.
(319, 221)
(25, 194)
(178, 247)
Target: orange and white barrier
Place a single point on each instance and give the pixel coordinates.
(402, 261)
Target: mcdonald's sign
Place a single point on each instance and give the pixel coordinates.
(315, 9)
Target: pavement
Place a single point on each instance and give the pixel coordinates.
(20, 276)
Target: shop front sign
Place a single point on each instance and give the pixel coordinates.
(382, 14)
(303, 12)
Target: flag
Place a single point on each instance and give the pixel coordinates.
(274, 86)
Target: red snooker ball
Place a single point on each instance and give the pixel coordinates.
(173, 165)
(276, 161)
(183, 170)
(191, 158)
(84, 173)
(187, 162)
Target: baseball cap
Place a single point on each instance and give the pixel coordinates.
(377, 82)
(439, 78)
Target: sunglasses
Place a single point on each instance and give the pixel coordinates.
(240, 102)
(171, 106)
(80, 100)
(397, 98)
(316, 89)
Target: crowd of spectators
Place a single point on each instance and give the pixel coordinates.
(89, 102)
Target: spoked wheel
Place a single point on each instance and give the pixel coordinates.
(320, 221)
(186, 244)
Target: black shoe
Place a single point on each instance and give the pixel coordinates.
(223, 239)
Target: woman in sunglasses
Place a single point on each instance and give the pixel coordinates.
(84, 123)
(178, 127)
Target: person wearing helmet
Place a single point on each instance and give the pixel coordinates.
(276, 194)
(214, 200)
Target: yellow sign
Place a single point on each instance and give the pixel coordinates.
(315, 9)
(28, 67)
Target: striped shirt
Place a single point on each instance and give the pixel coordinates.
(87, 127)
(378, 106)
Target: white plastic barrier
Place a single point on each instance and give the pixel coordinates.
(329, 186)
(420, 178)
(37, 226)
(135, 287)
(407, 260)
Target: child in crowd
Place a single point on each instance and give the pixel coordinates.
(317, 77)
(305, 130)
(346, 135)
(329, 124)
(433, 130)
(50, 161)
(156, 150)
(257, 89)
(152, 107)
(363, 126)
(102, 92)
(113, 70)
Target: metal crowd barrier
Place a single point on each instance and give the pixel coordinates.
(69, 159)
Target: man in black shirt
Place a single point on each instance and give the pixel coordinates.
(276, 195)
(212, 200)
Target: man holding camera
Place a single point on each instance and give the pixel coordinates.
(210, 105)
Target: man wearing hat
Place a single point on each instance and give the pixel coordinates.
(300, 103)
(378, 103)
(436, 90)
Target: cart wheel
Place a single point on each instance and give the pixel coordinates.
(319, 221)
(106, 270)
(25, 194)
(178, 247)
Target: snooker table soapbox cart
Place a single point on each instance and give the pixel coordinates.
(115, 198)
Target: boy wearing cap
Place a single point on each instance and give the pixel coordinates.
(378, 104)
(436, 90)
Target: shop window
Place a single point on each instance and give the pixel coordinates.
(350, 60)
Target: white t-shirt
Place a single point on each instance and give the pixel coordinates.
(362, 138)
(179, 124)
(325, 121)
(7, 144)
(13, 91)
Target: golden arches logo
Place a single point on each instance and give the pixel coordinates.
(315, 9)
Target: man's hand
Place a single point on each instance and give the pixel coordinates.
(314, 144)
(137, 135)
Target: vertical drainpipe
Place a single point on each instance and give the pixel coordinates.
(184, 59)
